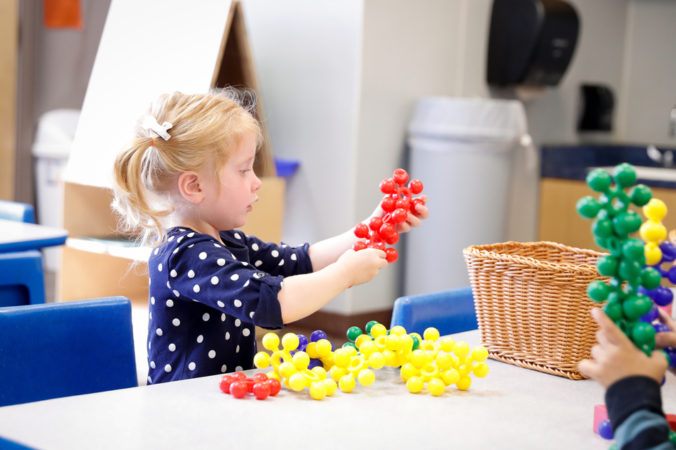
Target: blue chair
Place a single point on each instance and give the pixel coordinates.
(61, 349)
(449, 311)
(22, 279)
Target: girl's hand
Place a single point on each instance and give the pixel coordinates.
(667, 338)
(615, 357)
(362, 266)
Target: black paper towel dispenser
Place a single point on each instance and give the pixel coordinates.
(531, 42)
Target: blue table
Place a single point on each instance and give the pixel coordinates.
(19, 236)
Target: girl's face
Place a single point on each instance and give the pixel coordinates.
(230, 196)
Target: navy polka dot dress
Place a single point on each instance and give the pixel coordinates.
(205, 299)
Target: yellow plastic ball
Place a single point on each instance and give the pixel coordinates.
(318, 390)
(446, 344)
(286, 369)
(429, 371)
(417, 358)
(480, 370)
(376, 360)
(436, 387)
(273, 375)
(653, 253)
(479, 354)
(290, 342)
(398, 330)
(406, 343)
(407, 371)
(450, 376)
(301, 360)
(431, 334)
(415, 385)
(444, 361)
(655, 210)
(280, 356)
(390, 358)
(378, 330)
(367, 348)
(393, 342)
(311, 350)
(341, 357)
(331, 386)
(429, 345)
(464, 383)
(357, 363)
(361, 339)
(271, 341)
(347, 383)
(262, 360)
(461, 349)
(653, 232)
(337, 372)
(351, 351)
(320, 372)
(366, 377)
(323, 347)
(298, 382)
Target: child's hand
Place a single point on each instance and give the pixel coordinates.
(615, 357)
(362, 266)
(667, 338)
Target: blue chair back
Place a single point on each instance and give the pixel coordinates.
(60, 349)
(18, 212)
(449, 311)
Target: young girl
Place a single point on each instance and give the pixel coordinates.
(187, 182)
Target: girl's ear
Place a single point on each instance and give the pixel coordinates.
(190, 188)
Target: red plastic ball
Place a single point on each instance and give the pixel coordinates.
(239, 375)
(238, 389)
(392, 239)
(359, 245)
(275, 386)
(225, 383)
(387, 231)
(261, 390)
(399, 215)
(260, 376)
(391, 255)
(388, 204)
(375, 223)
(403, 203)
(387, 186)
(400, 176)
(416, 186)
(378, 245)
(249, 384)
(361, 230)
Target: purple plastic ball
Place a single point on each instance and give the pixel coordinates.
(302, 342)
(314, 363)
(606, 430)
(672, 275)
(317, 335)
(668, 251)
(661, 328)
(662, 296)
(671, 353)
(651, 315)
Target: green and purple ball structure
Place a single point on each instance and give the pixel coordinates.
(625, 264)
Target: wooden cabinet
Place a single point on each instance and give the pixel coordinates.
(559, 221)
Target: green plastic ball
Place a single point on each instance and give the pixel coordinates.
(613, 309)
(633, 250)
(643, 333)
(598, 291)
(353, 333)
(350, 344)
(624, 175)
(607, 265)
(650, 278)
(629, 270)
(588, 207)
(370, 325)
(636, 305)
(599, 180)
(602, 228)
(672, 437)
(647, 348)
(626, 223)
(641, 195)
(416, 342)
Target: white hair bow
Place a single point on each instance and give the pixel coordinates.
(150, 124)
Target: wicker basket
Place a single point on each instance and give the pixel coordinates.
(531, 303)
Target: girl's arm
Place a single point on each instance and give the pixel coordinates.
(301, 295)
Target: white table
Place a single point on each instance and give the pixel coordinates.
(19, 236)
(513, 408)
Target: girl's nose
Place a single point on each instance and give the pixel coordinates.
(257, 183)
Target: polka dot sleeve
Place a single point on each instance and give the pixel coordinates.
(201, 270)
(279, 259)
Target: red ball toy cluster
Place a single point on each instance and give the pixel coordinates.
(398, 201)
(239, 385)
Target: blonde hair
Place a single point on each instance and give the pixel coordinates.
(204, 130)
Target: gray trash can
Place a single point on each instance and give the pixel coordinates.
(462, 150)
(51, 148)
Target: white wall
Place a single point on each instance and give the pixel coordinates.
(649, 90)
